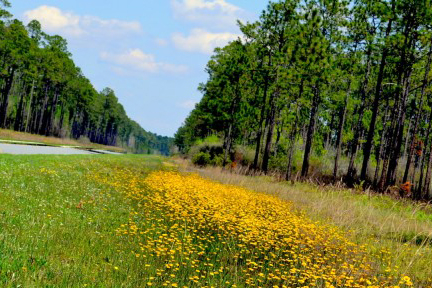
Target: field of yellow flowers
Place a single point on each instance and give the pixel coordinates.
(134, 221)
(190, 231)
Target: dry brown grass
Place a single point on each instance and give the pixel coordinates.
(378, 221)
(27, 137)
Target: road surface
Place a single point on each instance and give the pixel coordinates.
(28, 149)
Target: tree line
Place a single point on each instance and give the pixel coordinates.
(42, 91)
(347, 76)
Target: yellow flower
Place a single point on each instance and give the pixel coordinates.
(197, 228)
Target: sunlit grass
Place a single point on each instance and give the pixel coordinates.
(132, 221)
(57, 228)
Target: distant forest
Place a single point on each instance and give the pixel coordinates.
(42, 91)
(350, 79)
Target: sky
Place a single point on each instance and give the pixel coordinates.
(152, 53)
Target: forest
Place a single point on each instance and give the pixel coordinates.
(43, 92)
(336, 90)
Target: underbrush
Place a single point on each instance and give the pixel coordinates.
(321, 166)
(210, 152)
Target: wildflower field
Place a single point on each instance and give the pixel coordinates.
(134, 221)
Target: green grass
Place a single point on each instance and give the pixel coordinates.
(58, 228)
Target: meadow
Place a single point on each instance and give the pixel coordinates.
(141, 221)
(58, 227)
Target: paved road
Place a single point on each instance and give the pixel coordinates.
(27, 149)
(106, 152)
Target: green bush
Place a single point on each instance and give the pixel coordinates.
(212, 139)
(201, 159)
(217, 160)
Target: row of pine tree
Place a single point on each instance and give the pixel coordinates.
(351, 76)
(42, 91)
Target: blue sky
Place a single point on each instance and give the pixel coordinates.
(152, 53)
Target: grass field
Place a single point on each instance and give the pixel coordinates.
(58, 227)
(133, 221)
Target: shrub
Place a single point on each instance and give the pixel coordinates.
(217, 160)
(212, 139)
(201, 159)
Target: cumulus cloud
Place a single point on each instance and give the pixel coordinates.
(202, 41)
(217, 13)
(54, 20)
(137, 60)
(192, 5)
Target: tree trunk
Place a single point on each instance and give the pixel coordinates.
(404, 155)
(53, 110)
(271, 117)
(260, 128)
(380, 151)
(19, 115)
(279, 131)
(294, 133)
(29, 111)
(359, 127)
(227, 144)
(389, 149)
(404, 68)
(62, 118)
(423, 91)
(328, 136)
(342, 115)
(423, 191)
(310, 132)
(5, 101)
(228, 137)
(397, 144)
(292, 146)
(43, 111)
(419, 188)
(371, 133)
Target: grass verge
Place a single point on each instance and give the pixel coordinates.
(15, 137)
(58, 228)
(132, 221)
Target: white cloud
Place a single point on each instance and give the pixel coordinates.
(188, 104)
(217, 13)
(202, 41)
(54, 20)
(191, 5)
(137, 60)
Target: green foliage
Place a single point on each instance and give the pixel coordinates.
(201, 159)
(217, 160)
(324, 73)
(212, 139)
